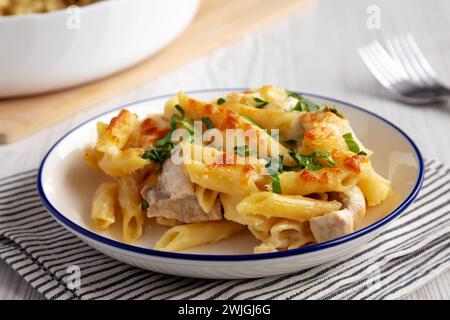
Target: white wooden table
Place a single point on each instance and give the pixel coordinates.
(312, 51)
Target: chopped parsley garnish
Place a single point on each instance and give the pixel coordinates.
(164, 141)
(174, 122)
(208, 123)
(324, 155)
(180, 109)
(144, 204)
(332, 108)
(298, 107)
(261, 102)
(310, 106)
(304, 162)
(189, 127)
(157, 155)
(274, 168)
(276, 184)
(164, 146)
(307, 105)
(352, 145)
(310, 162)
(221, 101)
(294, 95)
(303, 104)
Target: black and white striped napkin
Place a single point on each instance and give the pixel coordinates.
(413, 249)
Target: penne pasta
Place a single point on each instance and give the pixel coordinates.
(122, 163)
(296, 208)
(20, 7)
(324, 131)
(116, 135)
(206, 198)
(101, 129)
(259, 225)
(92, 156)
(306, 182)
(130, 206)
(103, 211)
(286, 235)
(290, 171)
(223, 119)
(231, 179)
(192, 235)
(231, 213)
(286, 122)
(376, 189)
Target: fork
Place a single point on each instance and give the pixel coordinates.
(404, 71)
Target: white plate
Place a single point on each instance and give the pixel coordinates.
(66, 186)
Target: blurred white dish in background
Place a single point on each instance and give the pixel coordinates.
(51, 51)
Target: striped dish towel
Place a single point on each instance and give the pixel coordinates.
(412, 250)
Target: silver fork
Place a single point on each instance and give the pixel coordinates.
(404, 71)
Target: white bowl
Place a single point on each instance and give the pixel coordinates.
(66, 186)
(45, 52)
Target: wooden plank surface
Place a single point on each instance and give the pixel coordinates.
(313, 51)
(217, 23)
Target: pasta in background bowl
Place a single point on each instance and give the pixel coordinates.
(270, 223)
(17, 7)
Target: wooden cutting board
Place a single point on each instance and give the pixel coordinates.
(217, 22)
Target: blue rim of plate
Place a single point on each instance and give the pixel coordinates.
(243, 257)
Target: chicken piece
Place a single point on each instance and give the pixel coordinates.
(342, 222)
(174, 197)
(332, 225)
(353, 200)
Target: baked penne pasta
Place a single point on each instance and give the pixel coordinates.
(286, 122)
(21, 7)
(325, 180)
(276, 114)
(191, 235)
(207, 170)
(122, 163)
(258, 225)
(296, 208)
(101, 129)
(130, 207)
(103, 211)
(376, 189)
(231, 179)
(206, 198)
(324, 131)
(286, 235)
(92, 156)
(223, 119)
(119, 130)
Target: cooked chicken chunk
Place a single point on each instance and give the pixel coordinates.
(332, 225)
(342, 222)
(174, 197)
(353, 200)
